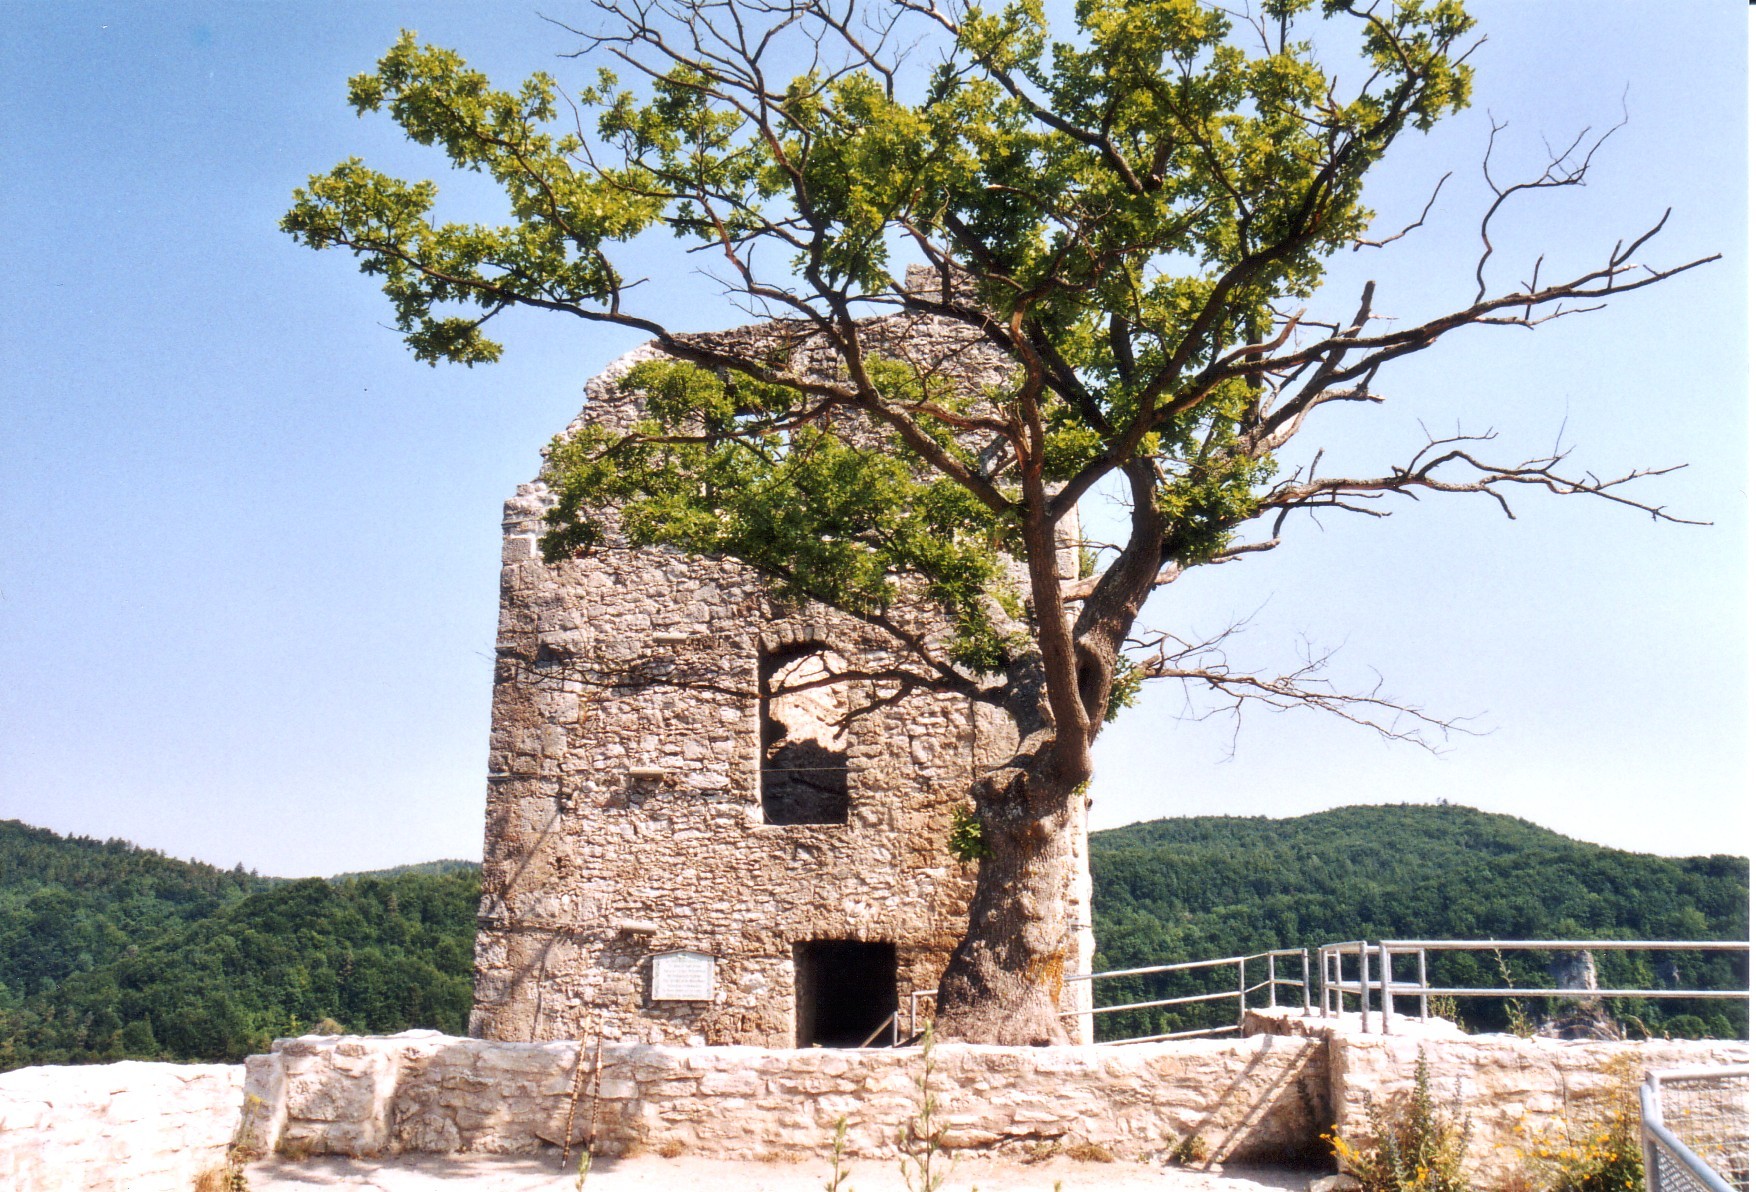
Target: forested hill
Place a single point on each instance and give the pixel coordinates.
(68, 901)
(1219, 884)
(109, 951)
(1208, 886)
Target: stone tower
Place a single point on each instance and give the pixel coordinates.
(679, 851)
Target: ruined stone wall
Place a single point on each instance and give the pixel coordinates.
(624, 811)
(1519, 1093)
(152, 1127)
(1265, 1097)
(1261, 1098)
(124, 1127)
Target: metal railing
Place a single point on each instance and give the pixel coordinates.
(1374, 972)
(1335, 986)
(1695, 1129)
(889, 1024)
(1242, 993)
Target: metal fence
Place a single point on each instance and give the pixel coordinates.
(1336, 985)
(1242, 992)
(1374, 971)
(1271, 982)
(1695, 1129)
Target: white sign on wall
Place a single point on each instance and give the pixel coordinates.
(682, 977)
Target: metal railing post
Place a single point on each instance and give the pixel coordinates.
(1305, 979)
(1423, 958)
(1365, 987)
(1271, 1001)
(1386, 1001)
(1243, 996)
(1649, 1105)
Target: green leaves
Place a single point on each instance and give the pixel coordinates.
(830, 508)
(1124, 202)
(550, 256)
(965, 841)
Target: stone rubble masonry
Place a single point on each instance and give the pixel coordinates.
(1516, 1091)
(624, 779)
(133, 1126)
(1264, 1097)
(1268, 1096)
(1259, 1098)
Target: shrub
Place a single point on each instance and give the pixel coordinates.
(1418, 1146)
(1594, 1145)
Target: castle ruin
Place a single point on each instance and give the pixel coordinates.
(695, 833)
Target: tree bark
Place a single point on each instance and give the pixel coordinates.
(1005, 979)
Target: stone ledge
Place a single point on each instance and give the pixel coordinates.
(1257, 1098)
(143, 1127)
(147, 1127)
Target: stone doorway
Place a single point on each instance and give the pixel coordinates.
(844, 990)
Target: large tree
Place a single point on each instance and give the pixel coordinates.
(1132, 218)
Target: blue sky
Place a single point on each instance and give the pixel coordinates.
(248, 545)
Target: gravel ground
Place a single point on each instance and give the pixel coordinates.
(649, 1173)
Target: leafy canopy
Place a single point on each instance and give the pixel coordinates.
(1116, 213)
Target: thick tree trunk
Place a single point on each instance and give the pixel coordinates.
(1005, 979)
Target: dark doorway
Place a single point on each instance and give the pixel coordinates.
(845, 990)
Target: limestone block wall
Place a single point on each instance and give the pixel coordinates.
(151, 1127)
(139, 1127)
(624, 812)
(1259, 1098)
(1514, 1090)
(1264, 1097)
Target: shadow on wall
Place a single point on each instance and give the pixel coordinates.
(1271, 1112)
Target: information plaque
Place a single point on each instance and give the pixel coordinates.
(682, 977)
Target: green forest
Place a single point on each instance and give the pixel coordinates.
(109, 951)
(1212, 886)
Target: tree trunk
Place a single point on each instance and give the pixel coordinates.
(1005, 979)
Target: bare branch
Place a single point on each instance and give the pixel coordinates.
(1436, 467)
(1561, 170)
(1207, 674)
(1361, 242)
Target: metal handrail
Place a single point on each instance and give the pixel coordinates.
(1242, 992)
(1189, 964)
(1654, 1134)
(1332, 991)
(890, 1023)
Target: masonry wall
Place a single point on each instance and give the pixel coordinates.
(1264, 1098)
(1260, 1098)
(1518, 1093)
(624, 813)
(126, 1127)
(152, 1127)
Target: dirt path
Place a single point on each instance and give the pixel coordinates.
(649, 1173)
